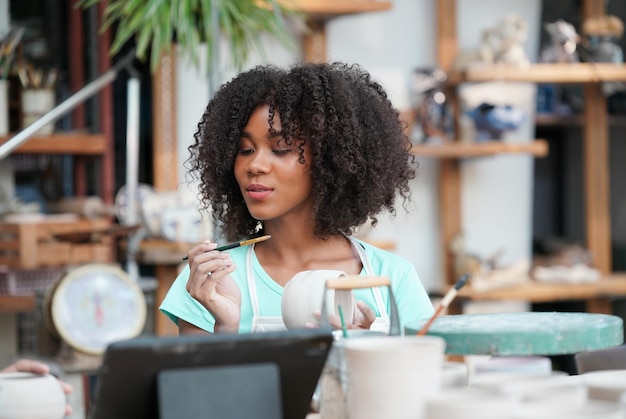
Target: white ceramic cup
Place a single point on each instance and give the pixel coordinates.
(303, 295)
(25, 395)
(391, 376)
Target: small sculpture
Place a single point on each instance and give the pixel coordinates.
(501, 44)
(561, 261)
(487, 273)
(432, 113)
(492, 121)
(602, 34)
(563, 43)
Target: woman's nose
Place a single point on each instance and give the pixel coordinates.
(259, 163)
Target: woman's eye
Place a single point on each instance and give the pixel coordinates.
(246, 151)
(281, 151)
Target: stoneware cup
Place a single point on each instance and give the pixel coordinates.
(392, 376)
(303, 295)
(30, 396)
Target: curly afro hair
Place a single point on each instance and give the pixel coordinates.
(360, 154)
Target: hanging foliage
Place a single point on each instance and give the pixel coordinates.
(157, 24)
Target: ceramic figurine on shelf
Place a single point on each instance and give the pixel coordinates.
(432, 113)
(492, 121)
(501, 44)
(601, 35)
(563, 43)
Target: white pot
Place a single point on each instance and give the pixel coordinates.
(25, 395)
(303, 296)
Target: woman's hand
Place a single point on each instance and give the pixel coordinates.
(363, 318)
(36, 367)
(211, 285)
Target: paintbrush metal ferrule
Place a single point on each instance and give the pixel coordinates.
(239, 244)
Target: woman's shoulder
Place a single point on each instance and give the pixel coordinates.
(385, 261)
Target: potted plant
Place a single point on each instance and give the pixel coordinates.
(157, 24)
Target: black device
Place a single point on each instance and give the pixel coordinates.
(261, 375)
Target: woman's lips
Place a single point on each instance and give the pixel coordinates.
(258, 191)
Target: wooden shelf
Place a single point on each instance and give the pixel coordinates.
(576, 120)
(327, 9)
(62, 143)
(457, 150)
(543, 73)
(16, 303)
(610, 286)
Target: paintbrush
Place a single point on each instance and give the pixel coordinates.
(239, 244)
(445, 302)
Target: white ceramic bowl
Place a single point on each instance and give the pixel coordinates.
(30, 396)
(303, 295)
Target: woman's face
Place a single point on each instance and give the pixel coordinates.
(273, 182)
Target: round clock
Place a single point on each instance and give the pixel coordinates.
(95, 305)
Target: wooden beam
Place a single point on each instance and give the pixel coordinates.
(592, 8)
(447, 44)
(314, 42)
(451, 217)
(596, 178)
(107, 180)
(165, 156)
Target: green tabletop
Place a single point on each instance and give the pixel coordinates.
(527, 333)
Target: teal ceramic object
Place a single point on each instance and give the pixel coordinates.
(527, 333)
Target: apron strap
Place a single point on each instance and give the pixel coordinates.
(251, 283)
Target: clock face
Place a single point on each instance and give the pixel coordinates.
(96, 305)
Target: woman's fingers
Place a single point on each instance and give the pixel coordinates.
(208, 267)
(28, 365)
(366, 315)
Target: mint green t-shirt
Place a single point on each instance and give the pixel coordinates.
(411, 298)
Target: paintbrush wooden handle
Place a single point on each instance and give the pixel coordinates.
(355, 281)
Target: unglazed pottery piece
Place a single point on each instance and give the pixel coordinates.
(303, 295)
(25, 395)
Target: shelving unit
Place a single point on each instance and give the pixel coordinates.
(82, 146)
(596, 159)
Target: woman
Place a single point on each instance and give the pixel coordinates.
(305, 155)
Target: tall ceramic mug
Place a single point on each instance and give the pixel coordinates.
(392, 376)
(35, 104)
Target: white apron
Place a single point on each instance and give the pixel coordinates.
(275, 323)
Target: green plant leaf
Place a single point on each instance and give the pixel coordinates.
(155, 24)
